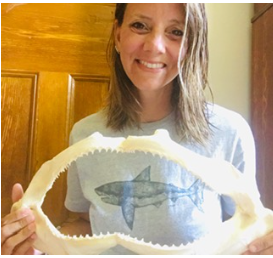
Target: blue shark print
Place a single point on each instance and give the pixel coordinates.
(141, 192)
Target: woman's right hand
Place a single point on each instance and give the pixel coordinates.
(18, 229)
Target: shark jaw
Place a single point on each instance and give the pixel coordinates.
(250, 221)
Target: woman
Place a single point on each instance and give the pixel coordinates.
(159, 58)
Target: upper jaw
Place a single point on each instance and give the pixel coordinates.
(151, 65)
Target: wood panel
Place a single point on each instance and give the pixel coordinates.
(259, 6)
(88, 95)
(262, 103)
(56, 37)
(52, 130)
(55, 54)
(18, 98)
(260, 9)
(52, 126)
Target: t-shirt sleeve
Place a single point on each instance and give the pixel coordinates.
(75, 200)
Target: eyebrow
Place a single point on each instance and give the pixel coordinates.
(148, 18)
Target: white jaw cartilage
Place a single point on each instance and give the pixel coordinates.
(250, 221)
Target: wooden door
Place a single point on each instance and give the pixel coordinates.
(262, 98)
(54, 72)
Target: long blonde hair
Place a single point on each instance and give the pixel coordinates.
(188, 100)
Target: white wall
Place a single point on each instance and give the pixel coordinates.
(230, 54)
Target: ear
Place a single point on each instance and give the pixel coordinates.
(117, 35)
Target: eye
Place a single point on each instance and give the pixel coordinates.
(175, 33)
(139, 27)
(178, 33)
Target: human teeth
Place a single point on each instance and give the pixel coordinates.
(152, 66)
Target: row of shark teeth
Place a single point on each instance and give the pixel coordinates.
(120, 236)
(86, 153)
(128, 238)
(120, 150)
(123, 237)
(58, 234)
(86, 237)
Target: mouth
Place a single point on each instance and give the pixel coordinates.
(151, 65)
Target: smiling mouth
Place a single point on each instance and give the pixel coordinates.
(151, 65)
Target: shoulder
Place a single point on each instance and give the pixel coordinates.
(231, 137)
(87, 126)
(226, 121)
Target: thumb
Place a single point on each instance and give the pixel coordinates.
(17, 193)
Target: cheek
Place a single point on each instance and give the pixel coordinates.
(128, 54)
(129, 43)
(175, 56)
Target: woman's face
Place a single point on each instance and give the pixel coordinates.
(149, 40)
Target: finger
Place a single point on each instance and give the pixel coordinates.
(8, 229)
(26, 246)
(262, 243)
(246, 253)
(10, 244)
(15, 216)
(17, 193)
(268, 251)
(32, 251)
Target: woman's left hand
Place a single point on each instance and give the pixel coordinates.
(263, 245)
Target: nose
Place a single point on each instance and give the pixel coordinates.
(155, 42)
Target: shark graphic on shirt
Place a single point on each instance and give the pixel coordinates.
(141, 192)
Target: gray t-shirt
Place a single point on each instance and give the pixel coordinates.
(152, 198)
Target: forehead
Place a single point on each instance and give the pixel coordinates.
(163, 11)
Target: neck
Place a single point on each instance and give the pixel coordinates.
(156, 105)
